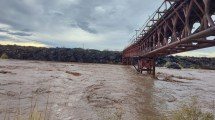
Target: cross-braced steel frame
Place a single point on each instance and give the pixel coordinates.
(177, 26)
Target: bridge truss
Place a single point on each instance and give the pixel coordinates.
(176, 26)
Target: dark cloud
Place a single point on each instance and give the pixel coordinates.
(14, 33)
(3, 30)
(85, 26)
(19, 33)
(26, 30)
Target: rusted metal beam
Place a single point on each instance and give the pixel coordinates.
(201, 34)
(170, 32)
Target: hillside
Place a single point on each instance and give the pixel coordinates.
(94, 56)
(61, 54)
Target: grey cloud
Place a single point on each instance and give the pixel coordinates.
(94, 16)
(16, 13)
(3, 37)
(57, 13)
(20, 33)
(15, 33)
(15, 24)
(3, 30)
(26, 30)
(85, 26)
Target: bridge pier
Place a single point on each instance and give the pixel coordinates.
(146, 64)
(126, 61)
(143, 64)
(153, 68)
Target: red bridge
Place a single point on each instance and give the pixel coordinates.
(176, 26)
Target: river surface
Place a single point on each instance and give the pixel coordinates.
(74, 91)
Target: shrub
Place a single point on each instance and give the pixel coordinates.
(4, 56)
(173, 65)
(191, 111)
(34, 112)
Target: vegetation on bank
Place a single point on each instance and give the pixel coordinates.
(33, 114)
(61, 54)
(190, 111)
(173, 65)
(186, 62)
(35, 111)
(96, 56)
(4, 56)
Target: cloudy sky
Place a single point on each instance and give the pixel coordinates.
(98, 24)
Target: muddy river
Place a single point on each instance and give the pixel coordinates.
(73, 91)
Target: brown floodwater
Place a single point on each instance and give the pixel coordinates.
(73, 91)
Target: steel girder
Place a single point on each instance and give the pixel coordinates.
(183, 25)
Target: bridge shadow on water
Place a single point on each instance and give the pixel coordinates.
(142, 95)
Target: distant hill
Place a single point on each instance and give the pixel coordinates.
(61, 54)
(94, 56)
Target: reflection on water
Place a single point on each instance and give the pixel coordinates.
(95, 91)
